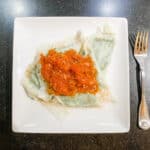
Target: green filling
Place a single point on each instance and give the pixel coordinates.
(79, 100)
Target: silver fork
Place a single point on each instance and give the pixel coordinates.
(140, 53)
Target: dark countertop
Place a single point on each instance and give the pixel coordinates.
(138, 14)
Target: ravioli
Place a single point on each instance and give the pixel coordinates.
(99, 46)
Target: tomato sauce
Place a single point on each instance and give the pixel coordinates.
(69, 73)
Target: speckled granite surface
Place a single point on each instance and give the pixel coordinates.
(138, 14)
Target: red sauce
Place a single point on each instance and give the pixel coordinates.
(68, 73)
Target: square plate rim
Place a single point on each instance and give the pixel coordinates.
(127, 128)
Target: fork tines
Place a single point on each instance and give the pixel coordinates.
(141, 43)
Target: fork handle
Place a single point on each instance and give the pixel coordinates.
(144, 119)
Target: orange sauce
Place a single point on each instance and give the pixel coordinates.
(68, 73)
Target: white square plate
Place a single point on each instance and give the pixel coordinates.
(30, 116)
